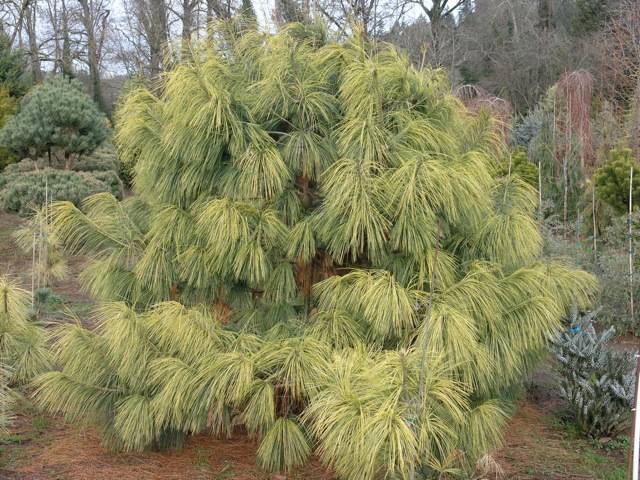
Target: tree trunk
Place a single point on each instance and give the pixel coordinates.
(187, 19)
(34, 50)
(187, 27)
(67, 61)
(90, 19)
(545, 14)
(157, 34)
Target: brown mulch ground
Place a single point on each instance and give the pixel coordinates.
(536, 447)
(60, 451)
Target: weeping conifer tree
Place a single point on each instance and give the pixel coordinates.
(319, 250)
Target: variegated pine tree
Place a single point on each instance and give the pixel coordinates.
(319, 250)
(23, 349)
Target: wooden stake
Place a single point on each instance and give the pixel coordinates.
(630, 237)
(565, 181)
(45, 236)
(634, 454)
(593, 214)
(578, 239)
(568, 148)
(33, 272)
(540, 189)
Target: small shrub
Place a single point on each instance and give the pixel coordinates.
(46, 297)
(8, 108)
(23, 192)
(25, 165)
(612, 180)
(22, 184)
(102, 165)
(529, 127)
(595, 380)
(111, 180)
(522, 167)
(102, 160)
(40, 424)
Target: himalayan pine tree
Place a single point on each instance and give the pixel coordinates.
(23, 350)
(319, 250)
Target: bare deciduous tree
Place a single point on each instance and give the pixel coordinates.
(438, 12)
(94, 16)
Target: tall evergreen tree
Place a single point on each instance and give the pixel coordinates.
(247, 11)
(590, 16)
(290, 11)
(12, 67)
(319, 250)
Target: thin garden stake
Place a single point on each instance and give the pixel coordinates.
(33, 271)
(39, 264)
(565, 166)
(565, 182)
(630, 238)
(578, 239)
(43, 226)
(634, 457)
(540, 188)
(595, 228)
(504, 197)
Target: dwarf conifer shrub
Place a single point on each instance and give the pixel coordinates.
(612, 180)
(57, 120)
(103, 159)
(520, 165)
(23, 185)
(319, 250)
(527, 128)
(24, 192)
